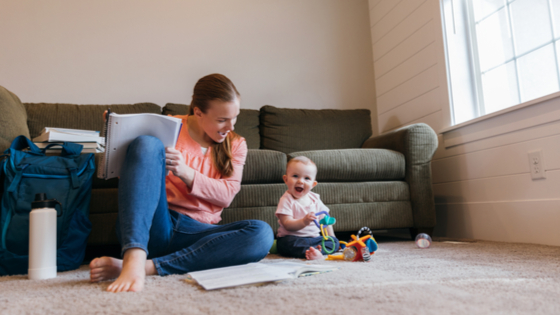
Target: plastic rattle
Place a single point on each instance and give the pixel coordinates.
(325, 221)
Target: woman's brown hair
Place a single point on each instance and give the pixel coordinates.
(217, 87)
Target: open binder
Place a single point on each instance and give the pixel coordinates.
(122, 129)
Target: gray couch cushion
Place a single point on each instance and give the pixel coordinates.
(290, 130)
(13, 118)
(247, 122)
(89, 117)
(377, 205)
(264, 166)
(102, 183)
(331, 193)
(175, 109)
(351, 165)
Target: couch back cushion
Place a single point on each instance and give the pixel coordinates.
(356, 165)
(13, 118)
(289, 130)
(247, 122)
(264, 167)
(89, 117)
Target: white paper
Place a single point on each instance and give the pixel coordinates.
(123, 129)
(239, 275)
(254, 273)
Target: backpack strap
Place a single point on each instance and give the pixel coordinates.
(5, 228)
(68, 148)
(15, 182)
(74, 178)
(22, 142)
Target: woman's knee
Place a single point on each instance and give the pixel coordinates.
(146, 144)
(146, 147)
(262, 234)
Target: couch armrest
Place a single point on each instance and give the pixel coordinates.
(418, 143)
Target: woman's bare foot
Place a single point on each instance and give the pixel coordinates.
(133, 273)
(107, 268)
(314, 254)
(104, 268)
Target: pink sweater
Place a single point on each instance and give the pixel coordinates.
(210, 193)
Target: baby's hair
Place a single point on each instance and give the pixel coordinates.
(302, 159)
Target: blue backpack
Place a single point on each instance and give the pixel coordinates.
(66, 178)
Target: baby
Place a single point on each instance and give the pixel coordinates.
(298, 236)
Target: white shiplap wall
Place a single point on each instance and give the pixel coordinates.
(483, 188)
(408, 62)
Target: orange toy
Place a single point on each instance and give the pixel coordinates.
(357, 249)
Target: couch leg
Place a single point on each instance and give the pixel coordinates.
(416, 231)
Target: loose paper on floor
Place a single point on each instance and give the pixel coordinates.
(253, 273)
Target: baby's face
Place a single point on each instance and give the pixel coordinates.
(300, 179)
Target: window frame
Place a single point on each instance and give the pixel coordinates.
(479, 108)
(507, 122)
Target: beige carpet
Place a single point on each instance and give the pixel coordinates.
(448, 278)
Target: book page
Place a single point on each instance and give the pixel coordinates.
(303, 269)
(255, 273)
(240, 275)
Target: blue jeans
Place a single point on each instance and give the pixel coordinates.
(175, 242)
(295, 246)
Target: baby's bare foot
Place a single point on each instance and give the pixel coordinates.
(314, 254)
(133, 273)
(104, 268)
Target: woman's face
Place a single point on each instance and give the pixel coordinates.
(219, 118)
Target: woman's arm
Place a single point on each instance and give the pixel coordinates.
(219, 192)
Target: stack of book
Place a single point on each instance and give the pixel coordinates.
(91, 141)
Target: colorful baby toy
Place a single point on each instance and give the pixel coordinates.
(360, 248)
(325, 221)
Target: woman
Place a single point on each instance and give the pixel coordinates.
(166, 223)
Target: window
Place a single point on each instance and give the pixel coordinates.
(500, 53)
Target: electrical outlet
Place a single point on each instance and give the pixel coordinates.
(536, 164)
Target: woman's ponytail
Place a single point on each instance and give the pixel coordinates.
(217, 87)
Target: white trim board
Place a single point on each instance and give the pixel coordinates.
(534, 133)
(499, 189)
(497, 161)
(537, 112)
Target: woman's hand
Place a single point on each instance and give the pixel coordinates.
(175, 162)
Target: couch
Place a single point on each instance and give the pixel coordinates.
(382, 182)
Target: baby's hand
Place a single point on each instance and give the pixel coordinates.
(310, 217)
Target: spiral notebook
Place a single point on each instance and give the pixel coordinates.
(122, 129)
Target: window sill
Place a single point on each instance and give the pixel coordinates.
(526, 115)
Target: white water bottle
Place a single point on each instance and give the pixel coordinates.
(42, 238)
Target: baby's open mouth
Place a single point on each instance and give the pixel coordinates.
(299, 189)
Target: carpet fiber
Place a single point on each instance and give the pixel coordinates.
(448, 278)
